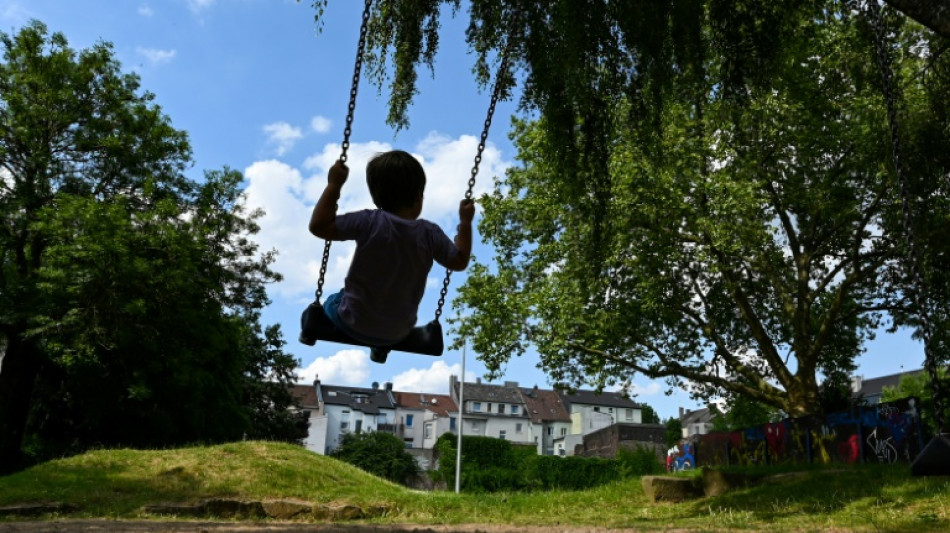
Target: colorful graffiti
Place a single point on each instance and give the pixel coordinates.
(888, 432)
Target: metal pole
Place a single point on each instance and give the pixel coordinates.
(458, 446)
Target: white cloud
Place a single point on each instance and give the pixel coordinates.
(652, 388)
(156, 56)
(199, 5)
(346, 367)
(146, 11)
(434, 380)
(16, 13)
(283, 136)
(320, 124)
(287, 196)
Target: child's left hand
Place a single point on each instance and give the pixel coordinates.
(467, 210)
(339, 172)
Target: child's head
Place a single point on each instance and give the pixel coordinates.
(395, 179)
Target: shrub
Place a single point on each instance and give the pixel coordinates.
(641, 461)
(381, 454)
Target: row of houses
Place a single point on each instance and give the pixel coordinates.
(555, 422)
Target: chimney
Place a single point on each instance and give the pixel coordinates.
(511, 384)
(389, 385)
(478, 381)
(375, 385)
(453, 382)
(683, 412)
(857, 383)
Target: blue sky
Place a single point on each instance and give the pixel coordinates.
(259, 90)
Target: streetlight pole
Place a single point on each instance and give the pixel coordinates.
(458, 445)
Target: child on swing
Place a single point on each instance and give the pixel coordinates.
(394, 250)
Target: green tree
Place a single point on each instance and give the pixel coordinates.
(918, 385)
(707, 194)
(129, 293)
(674, 431)
(648, 415)
(380, 454)
(741, 413)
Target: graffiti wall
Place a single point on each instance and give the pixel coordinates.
(887, 432)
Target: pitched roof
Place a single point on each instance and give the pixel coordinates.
(544, 406)
(479, 392)
(875, 386)
(370, 401)
(604, 398)
(305, 395)
(699, 416)
(440, 404)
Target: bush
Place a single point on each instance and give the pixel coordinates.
(381, 454)
(639, 462)
(493, 465)
(574, 473)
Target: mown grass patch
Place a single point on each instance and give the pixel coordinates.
(117, 483)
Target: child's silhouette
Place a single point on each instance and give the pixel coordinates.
(394, 250)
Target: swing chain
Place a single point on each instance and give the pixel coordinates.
(350, 110)
(919, 290)
(483, 140)
(354, 87)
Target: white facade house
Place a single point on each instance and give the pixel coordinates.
(592, 411)
(496, 411)
(341, 410)
(552, 421)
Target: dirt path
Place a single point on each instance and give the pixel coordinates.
(148, 526)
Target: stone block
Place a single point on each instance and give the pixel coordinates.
(671, 489)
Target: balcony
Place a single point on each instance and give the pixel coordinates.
(392, 429)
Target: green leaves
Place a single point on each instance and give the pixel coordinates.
(129, 294)
(738, 249)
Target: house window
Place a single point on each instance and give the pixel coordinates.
(409, 421)
(629, 414)
(597, 409)
(563, 431)
(550, 430)
(476, 406)
(344, 425)
(502, 434)
(452, 423)
(359, 426)
(488, 408)
(518, 427)
(428, 431)
(514, 409)
(501, 408)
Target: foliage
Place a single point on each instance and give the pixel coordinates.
(130, 294)
(707, 194)
(493, 465)
(674, 431)
(741, 413)
(918, 385)
(640, 461)
(380, 454)
(648, 415)
(745, 247)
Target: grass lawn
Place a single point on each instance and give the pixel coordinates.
(116, 484)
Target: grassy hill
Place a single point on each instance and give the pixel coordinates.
(118, 483)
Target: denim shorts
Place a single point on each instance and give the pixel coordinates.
(331, 308)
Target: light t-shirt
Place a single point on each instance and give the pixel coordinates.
(388, 274)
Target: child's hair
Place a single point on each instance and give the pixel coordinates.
(395, 179)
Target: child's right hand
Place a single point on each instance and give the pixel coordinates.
(467, 210)
(338, 174)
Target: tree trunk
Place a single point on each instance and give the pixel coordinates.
(18, 370)
(934, 14)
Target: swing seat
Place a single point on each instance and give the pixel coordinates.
(315, 325)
